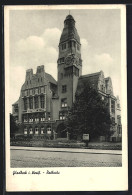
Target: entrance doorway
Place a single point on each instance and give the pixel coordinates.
(61, 131)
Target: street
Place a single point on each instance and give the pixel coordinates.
(48, 158)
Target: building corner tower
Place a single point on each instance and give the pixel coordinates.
(69, 63)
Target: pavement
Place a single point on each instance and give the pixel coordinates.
(68, 150)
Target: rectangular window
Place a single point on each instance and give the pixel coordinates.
(76, 71)
(48, 115)
(118, 105)
(42, 101)
(33, 91)
(36, 119)
(26, 93)
(64, 103)
(62, 116)
(36, 101)
(49, 130)
(74, 44)
(113, 120)
(31, 103)
(118, 119)
(16, 108)
(113, 106)
(36, 91)
(64, 88)
(42, 118)
(42, 89)
(25, 104)
(25, 119)
(30, 91)
(25, 131)
(30, 119)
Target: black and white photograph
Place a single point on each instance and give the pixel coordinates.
(66, 105)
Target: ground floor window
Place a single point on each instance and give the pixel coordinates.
(36, 131)
(42, 130)
(30, 120)
(42, 119)
(49, 130)
(30, 131)
(119, 129)
(36, 119)
(25, 131)
(62, 116)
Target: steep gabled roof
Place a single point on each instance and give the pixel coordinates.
(69, 30)
(16, 102)
(50, 78)
(90, 78)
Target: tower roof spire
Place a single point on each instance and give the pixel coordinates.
(69, 30)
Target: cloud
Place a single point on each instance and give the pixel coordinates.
(37, 50)
(51, 36)
(16, 80)
(30, 53)
(94, 62)
(31, 43)
(52, 69)
(104, 59)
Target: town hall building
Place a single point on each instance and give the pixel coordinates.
(44, 102)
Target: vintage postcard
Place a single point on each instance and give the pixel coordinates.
(66, 98)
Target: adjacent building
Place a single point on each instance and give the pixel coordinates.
(44, 102)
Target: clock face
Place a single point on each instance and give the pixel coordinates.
(68, 60)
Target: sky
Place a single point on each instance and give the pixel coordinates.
(34, 37)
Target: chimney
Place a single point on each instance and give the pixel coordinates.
(40, 70)
(29, 73)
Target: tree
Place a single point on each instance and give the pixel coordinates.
(13, 126)
(89, 115)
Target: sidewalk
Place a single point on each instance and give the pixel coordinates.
(70, 150)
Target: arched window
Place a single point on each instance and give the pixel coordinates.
(25, 131)
(36, 130)
(42, 130)
(49, 130)
(30, 131)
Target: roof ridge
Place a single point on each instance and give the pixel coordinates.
(87, 75)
